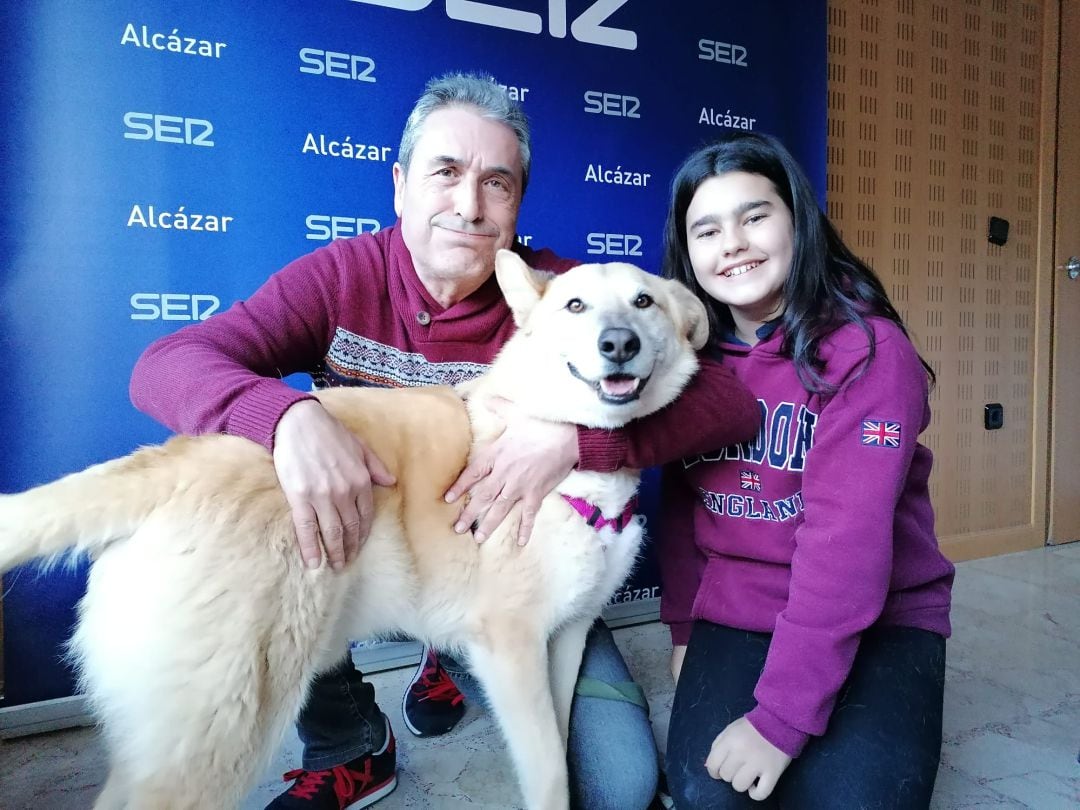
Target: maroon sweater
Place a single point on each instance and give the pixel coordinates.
(356, 313)
(818, 529)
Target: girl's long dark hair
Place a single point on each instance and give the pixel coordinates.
(828, 285)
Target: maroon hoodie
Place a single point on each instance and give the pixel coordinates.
(815, 531)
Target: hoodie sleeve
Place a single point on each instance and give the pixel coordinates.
(681, 561)
(843, 560)
(714, 410)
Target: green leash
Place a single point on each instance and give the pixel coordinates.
(626, 691)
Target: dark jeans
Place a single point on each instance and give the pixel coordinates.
(612, 756)
(340, 720)
(883, 741)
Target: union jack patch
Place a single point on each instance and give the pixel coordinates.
(749, 480)
(881, 434)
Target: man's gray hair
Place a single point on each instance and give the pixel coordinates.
(477, 90)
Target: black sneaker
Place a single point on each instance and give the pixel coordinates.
(432, 704)
(358, 783)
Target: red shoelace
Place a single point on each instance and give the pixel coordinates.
(437, 686)
(309, 782)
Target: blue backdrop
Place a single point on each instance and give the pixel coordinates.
(161, 159)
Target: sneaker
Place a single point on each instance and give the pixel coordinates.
(663, 800)
(432, 704)
(358, 783)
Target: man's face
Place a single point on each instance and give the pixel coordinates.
(459, 201)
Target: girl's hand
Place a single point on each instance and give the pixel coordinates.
(741, 756)
(678, 653)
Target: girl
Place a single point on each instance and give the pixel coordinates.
(807, 598)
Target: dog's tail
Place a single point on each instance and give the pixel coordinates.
(84, 511)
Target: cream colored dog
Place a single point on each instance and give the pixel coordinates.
(201, 629)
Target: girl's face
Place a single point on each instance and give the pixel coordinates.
(741, 241)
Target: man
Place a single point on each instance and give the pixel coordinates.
(418, 304)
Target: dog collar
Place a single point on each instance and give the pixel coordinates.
(595, 518)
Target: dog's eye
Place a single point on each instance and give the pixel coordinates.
(643, 301)
(575, 305)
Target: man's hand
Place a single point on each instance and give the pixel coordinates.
(741, 756)
(524, 464)
(678, 654)
(326, 474)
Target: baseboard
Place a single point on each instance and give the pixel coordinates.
(46, 715)
(70, 712)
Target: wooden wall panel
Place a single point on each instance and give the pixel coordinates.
(935, 125)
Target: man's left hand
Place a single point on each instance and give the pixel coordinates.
(523, 465)
(742, 757)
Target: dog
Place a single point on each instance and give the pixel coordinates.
(201, 628)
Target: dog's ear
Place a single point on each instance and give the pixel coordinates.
(521, 285)
(691, 315)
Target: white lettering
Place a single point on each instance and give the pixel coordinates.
(600, 103)
(324, 228)
(723, 52)
(725, 119)
(489, 14)
(171, 42)
(634, 594)
(400, 5)
(614, 244)
(596, 173)
(173, 306)
(337, 65)
(587, 27)
(168, 129)
(178, 220)
(516, 93)
(345, 148)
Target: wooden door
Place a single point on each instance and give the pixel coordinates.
(1065, 377)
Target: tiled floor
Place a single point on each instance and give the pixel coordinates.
(1012, 711)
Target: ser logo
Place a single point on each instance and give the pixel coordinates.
(724, 52)
(168, 128)
(587, 27)
(324, 228)
(600, 103)
(173, 306)
(614, 244)
(337, 65)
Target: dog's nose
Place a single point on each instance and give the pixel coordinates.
(619, 345)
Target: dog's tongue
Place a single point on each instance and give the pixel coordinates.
(619, 385)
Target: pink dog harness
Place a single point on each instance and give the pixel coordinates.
(595, 518)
